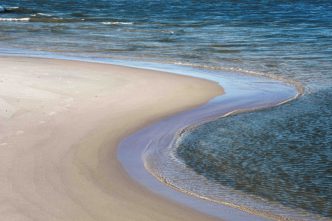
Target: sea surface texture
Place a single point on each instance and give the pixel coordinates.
(281, 155)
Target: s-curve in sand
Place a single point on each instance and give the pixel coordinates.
(60, 123)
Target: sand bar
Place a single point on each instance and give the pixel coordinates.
(60, 124)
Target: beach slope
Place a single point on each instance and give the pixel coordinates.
(60, 124)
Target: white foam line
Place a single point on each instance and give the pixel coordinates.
(15, 19)
(117, 23)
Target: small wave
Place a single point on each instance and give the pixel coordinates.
(298, 85)
(4, 9)
(167, 32)
(117, 23)
(44, 19)
(43, 14)
(12, 8)
(15, 19)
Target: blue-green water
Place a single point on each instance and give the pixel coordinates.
(283, 154)
(286, 159)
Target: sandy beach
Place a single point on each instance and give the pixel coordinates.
(60, 125)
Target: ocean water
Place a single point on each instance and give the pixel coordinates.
(282, 155)
(285, 160)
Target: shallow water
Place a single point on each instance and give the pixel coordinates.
(283, 155)
(291, 39)
(286, 159)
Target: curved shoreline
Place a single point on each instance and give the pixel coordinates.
(208, 112)
(61, 122)
(234, 214)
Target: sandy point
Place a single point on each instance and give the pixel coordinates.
(60, 124)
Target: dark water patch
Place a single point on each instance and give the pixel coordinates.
(229, 45)
(167, 40)
(226, 51)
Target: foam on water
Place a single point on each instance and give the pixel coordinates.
(15, 19)
(117, 23)
(286, 40)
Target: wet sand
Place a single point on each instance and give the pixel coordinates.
(60, 125)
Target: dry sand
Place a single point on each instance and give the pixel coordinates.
(60, 123)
